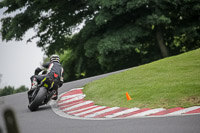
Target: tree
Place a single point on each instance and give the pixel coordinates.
(52, 20)
(161, 19)
(7, 91)
(21, 89)
(125, 33)
(117, 33)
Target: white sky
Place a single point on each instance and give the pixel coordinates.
(18, 60)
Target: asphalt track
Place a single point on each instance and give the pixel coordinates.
(46, 121)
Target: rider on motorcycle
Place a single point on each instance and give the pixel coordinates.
(54, 70)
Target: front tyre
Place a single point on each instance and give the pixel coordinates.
(39, 98)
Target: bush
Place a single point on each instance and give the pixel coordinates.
(8, 90)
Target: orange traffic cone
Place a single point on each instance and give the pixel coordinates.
(127, 96)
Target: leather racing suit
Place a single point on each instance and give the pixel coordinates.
(54, 69)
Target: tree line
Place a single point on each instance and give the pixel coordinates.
(8, 90)
(116, 34)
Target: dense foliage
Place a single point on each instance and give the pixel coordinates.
(116, 34)
(8, 90)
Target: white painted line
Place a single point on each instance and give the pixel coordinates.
(97, 108)
(183, 111)
(69, 105)
(65, 115)
(73, 99)
(122, 112)
(148, 112)
(82, 109)
(78, 105)
(101, 112)
(69, 96)
(76, 89)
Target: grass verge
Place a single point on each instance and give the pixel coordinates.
(170, 82)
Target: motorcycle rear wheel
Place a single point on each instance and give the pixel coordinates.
(39, 98)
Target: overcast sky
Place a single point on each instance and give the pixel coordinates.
(18, 60)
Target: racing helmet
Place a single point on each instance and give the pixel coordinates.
(55, 58)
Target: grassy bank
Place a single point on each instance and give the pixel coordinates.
(170, 82)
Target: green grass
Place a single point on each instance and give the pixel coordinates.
(170, 82)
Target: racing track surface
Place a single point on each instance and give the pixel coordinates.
(46, 121)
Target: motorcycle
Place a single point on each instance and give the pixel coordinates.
(43, 93)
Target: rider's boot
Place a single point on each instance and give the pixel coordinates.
(55, 96)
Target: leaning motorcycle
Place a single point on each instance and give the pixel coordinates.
(43, 93)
